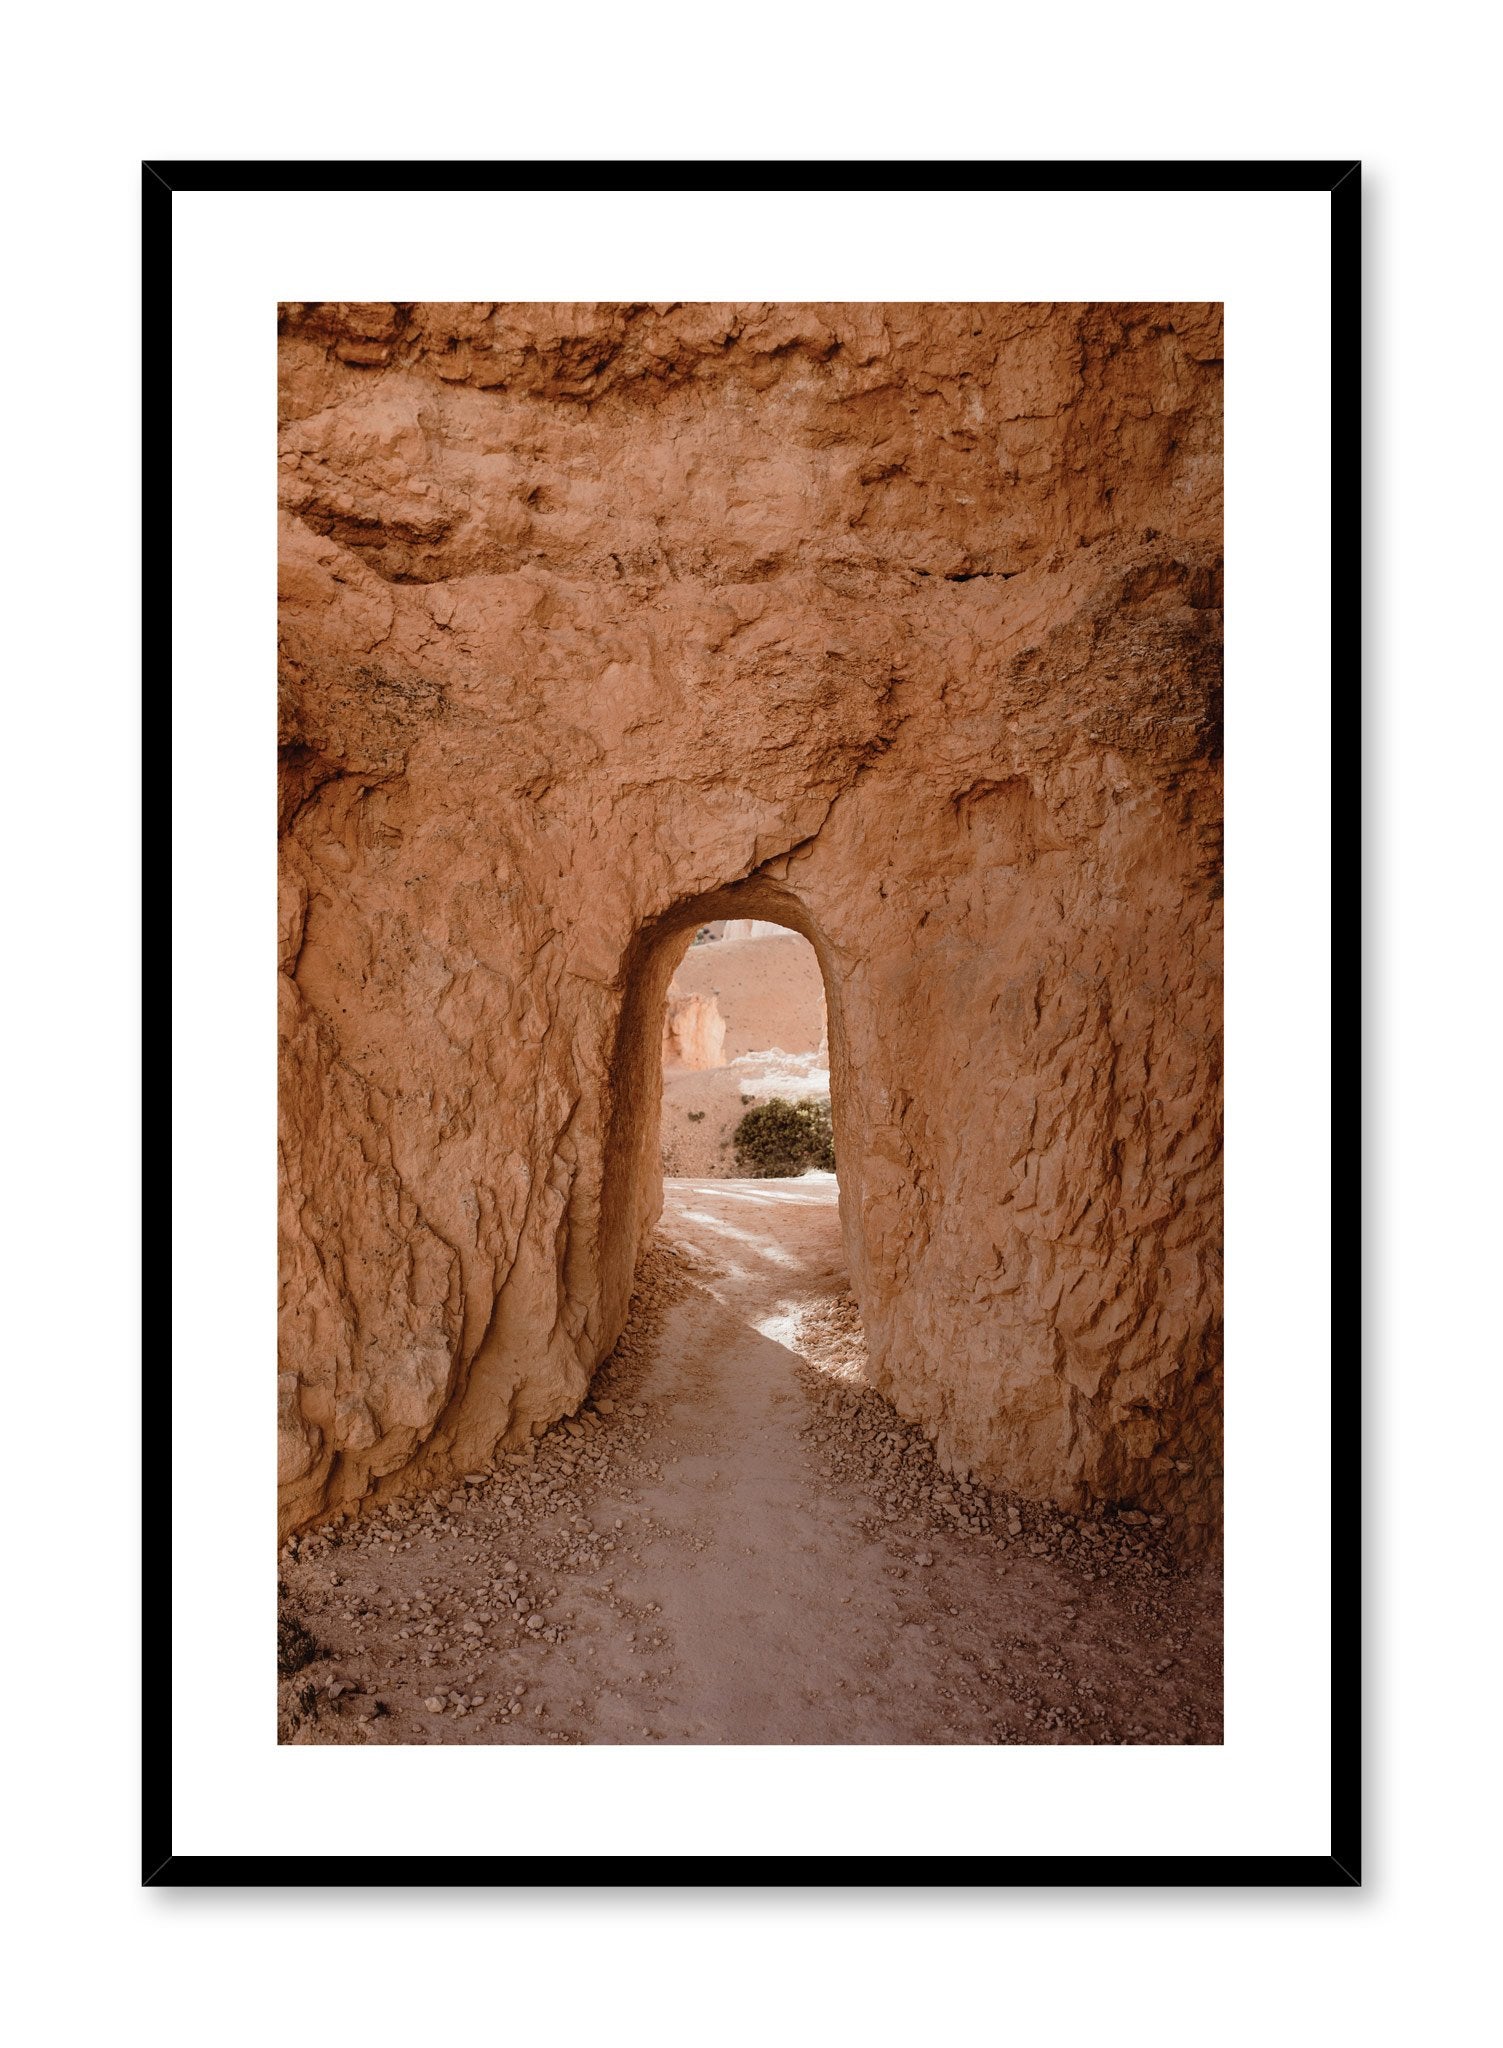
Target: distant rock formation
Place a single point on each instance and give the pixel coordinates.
(693, 1032)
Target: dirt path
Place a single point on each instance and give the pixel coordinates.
(736, 1541)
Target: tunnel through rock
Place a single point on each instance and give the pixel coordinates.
(897, 625)
(650, 1059)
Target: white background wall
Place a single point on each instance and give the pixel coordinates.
(96, 1957)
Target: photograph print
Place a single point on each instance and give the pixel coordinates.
(750, 876)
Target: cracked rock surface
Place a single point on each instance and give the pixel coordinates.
(896, 625)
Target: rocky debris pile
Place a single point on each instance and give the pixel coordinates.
(529, 1517)
(522, 1603)
(860, 1442)
(297, 1648)
(831, 1334)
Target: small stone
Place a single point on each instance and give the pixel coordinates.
(534, 1621)
(434, 1705)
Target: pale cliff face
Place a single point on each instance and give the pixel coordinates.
(899, 625)
(693, 1032)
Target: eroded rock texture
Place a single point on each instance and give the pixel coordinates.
(896, 624)
(693, 1032)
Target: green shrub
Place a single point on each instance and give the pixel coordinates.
(779, 1139)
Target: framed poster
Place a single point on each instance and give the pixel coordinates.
(758, 1383)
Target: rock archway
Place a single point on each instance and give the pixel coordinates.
(897, 625)
(633, 1172)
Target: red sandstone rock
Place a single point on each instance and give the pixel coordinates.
(896, 624)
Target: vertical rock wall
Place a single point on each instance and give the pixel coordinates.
(693, 1032)
(899, 625)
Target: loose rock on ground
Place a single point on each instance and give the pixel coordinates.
(737, 1540)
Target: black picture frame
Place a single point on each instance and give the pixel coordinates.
(160, 180)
